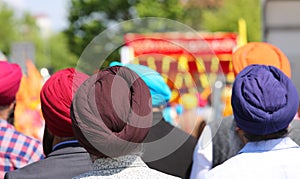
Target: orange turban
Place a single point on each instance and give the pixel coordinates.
(260, 53)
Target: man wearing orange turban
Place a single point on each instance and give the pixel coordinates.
(223, 132)
(17, 149)
(260, 53)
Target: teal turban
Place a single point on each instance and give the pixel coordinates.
(159, 90)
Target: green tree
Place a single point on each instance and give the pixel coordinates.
(225, 18)
(9, 27)
(89, 18)
(51, 52)
(171, 9)
(61, 58)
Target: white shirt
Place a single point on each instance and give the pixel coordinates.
(203, 155)
(274, 159)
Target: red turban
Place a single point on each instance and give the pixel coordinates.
(260, 53)
(56, 98)
(10, 78)
(112, 112)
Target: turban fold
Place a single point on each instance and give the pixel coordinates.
(260, 53)
(111, 112)
(10, 78)
(264, 100)
(56, 98)
(159, 90)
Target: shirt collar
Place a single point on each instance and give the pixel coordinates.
(269, 145)
(67, 143)
(118, 162)
(5, 124)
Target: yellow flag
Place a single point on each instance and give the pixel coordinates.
(242, 39)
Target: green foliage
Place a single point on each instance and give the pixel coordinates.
(59, 54)
(226, 17)
(171, 9)
(194, 23)
(88, 18)
(51, 52)
(9, 30)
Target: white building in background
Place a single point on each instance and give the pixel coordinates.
(45, 25)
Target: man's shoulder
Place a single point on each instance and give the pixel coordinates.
(55, 165)
(10, 135)
(165, 129)
(294, 131)
(129, 172)
(152, 173)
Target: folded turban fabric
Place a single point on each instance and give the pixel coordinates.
(10, 78)
(159, 90)
(260, 53)
(264, 100)
(111, 112)
(56, 98)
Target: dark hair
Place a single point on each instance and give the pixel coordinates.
(276, 135)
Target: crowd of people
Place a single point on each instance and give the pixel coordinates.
(112, 124)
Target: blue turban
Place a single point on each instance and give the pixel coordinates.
(159, 90)
(264, 100)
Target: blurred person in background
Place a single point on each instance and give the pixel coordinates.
(16, 149)
(172, 113)
(192, 119)
(264, 102)
(179, 145)
(65, 158)
(220, 140)
(112, 115)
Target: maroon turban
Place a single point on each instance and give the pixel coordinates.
(56, 98)
(111, 112)
(10, 78)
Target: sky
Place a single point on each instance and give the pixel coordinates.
(56, 10)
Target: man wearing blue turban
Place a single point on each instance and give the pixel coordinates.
(167, 148)
(220, 139)
(264, 102)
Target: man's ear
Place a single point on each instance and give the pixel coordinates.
(47, 141)
(241, 134)
(11, 113)
(12, 105)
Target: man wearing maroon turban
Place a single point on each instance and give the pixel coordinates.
(65, 157)
(17, 149)
(167, 148)
(112, 115)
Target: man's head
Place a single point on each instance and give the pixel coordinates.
(260, 53)
(56, 98)
(10, 78)
(264, 100)
(111, 112)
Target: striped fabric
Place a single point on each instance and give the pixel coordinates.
(16, 149)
